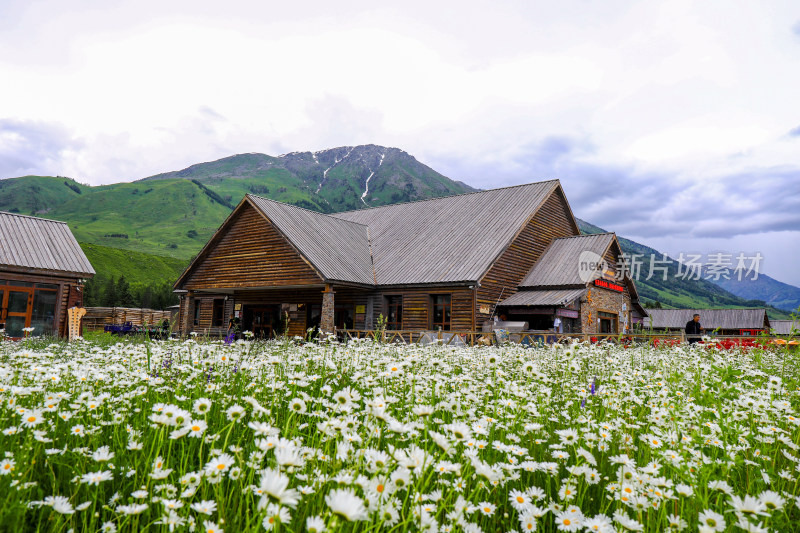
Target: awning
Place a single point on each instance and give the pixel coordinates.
(554, 297)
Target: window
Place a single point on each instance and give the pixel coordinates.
(217, 313)
(441, 311)
(197, 312)
(394, 312)
(44, 309)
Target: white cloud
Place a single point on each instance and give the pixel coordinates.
(621, 101)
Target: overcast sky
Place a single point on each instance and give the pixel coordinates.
(674, 123)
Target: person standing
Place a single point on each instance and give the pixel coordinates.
(693, 328)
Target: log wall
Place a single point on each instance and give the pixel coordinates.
(249, 252)
(418, 307)
(553, 220)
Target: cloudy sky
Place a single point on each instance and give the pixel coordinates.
(674, 123)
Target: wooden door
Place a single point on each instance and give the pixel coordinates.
(262, 322)
(17, 303)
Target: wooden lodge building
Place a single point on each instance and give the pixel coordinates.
(446, 263)
(42, 269)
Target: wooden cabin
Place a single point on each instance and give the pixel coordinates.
(713, 321)
(579, 285)
(42, 270)
(442, 263)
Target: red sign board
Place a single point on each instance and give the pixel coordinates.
(608, 285)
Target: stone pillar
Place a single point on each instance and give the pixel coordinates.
(326, 323)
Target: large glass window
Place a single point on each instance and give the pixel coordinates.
(394, 312)
(44, 312)
(441, 311)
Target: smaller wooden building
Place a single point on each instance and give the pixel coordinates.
(577, 286)
(42, 270)
(719, 321)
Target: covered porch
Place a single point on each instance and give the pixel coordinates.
(268, 312)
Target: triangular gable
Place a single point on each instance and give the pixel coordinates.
(248, 251)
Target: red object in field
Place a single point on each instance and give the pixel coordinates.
(665, 342)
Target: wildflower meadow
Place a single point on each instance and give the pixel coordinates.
(288, 435)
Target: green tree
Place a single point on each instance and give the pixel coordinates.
(109, 293)
(123, 293)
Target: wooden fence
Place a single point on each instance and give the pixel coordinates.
(529, 338)
(97, 317)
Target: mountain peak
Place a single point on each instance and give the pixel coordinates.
(341, 178)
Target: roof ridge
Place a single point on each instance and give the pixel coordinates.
(31, 216)
(307, 210)
(587, 235)
(449, 196)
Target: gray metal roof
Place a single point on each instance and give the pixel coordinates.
(42, 244)
(337, 248)
(783, 327)
(709, 318)
(559, 263)
(555, 297)
(449, 239)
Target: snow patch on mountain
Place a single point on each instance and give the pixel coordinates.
(366, 190)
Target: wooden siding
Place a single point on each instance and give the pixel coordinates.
(417, 307)
(249, 252)
(552, 221)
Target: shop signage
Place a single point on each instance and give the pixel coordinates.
(608, 285)
(567, 313)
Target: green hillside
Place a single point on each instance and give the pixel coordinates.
(126, 278)
(37, 195)
(674, 291)
(172, 218)
(137, 267)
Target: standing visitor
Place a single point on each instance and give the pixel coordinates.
(693, 329)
